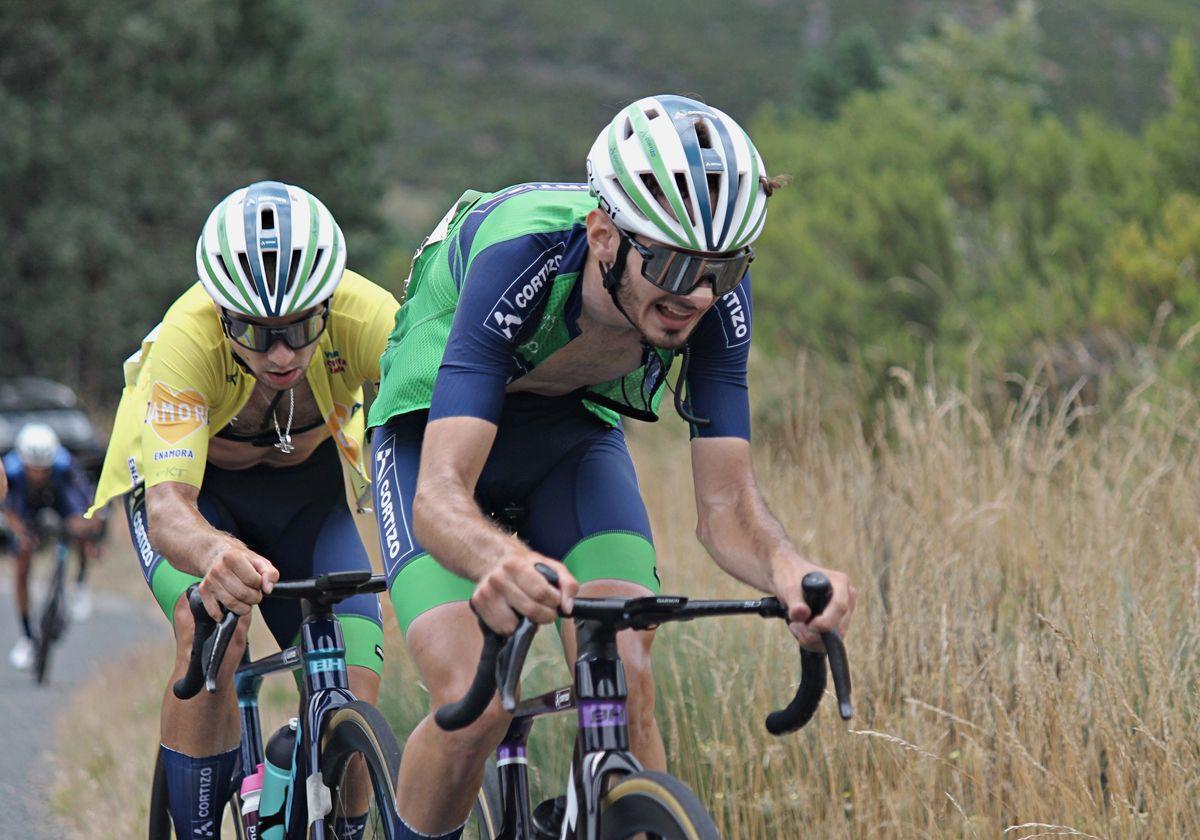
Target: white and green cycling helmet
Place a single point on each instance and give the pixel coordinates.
(37, 445)
(270, 249)
(696, 158)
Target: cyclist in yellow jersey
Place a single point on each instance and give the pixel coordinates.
(238, 411)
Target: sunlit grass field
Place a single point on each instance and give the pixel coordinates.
(1024, 651)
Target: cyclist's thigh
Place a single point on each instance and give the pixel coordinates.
(416, 582)
(589, 513)
(165, 581)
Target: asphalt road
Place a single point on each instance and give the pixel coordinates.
(28, 711)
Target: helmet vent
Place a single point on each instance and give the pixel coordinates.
(627, 129)
(267, 219)
(681, 185)
(270, 263)
(293, 269)
(224, 268)
(703, 135)
(316, 263)
(245, 264)
(652, 114)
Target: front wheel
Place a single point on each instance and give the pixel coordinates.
(51, 624)
(656, 804)
(359, 761)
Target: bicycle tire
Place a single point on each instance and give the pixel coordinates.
(358, 728)
(160, 827)
(656, 804)
(50, 624)
(487, 814)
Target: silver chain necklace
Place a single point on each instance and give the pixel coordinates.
(285, 437)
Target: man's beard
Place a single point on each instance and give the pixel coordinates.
(664, 339)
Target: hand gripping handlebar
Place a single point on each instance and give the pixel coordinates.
(503, 657)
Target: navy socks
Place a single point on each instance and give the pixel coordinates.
(198, 790)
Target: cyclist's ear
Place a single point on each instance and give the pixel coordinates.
(603, 237)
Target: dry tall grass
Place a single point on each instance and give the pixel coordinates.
(1023, 654)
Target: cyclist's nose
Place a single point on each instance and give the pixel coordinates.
(701, 296)
(280, 354)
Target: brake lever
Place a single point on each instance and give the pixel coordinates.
(215, 648)
(511, 662)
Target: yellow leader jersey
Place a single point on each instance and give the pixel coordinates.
(184, 385)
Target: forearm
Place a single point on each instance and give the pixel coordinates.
(15, 523)
(180, 533)
(745, 539)
(449, 524)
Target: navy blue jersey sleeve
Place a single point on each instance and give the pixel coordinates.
(16, 501)
(716, 379)
(503, 291)
(71, 488)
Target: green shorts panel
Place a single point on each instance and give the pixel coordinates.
(168, 583)
(424, 583)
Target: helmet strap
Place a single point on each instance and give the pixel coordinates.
(612, 275)
(681, 407)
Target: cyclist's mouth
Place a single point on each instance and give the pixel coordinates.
(284, 379)
(674, 317)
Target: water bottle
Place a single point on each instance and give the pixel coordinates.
(276, 779)
(251, 794)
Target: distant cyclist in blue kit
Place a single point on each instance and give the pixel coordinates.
(537, 318)
(43, 475)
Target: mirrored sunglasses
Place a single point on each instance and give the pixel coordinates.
(679, 272)
(259, 337)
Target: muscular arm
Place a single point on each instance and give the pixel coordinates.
(232, 573)
(450, 525)
(179, 532)
(747, 541)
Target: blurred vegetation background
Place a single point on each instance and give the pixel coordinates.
(994, 185)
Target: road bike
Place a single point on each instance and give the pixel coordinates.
(344, 756)
(54, 615)
(609, 796)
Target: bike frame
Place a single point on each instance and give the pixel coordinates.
(322, 655)
(601, 742)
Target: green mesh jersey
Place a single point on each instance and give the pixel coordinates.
(495, 291)
(498, 280)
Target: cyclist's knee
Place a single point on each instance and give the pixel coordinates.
(634, 647)
(364, 683)
(469, 747)
(185, 629)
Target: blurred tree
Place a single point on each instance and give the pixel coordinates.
(1175, 136)
(854, 61)
(124, 124)
(950, 210)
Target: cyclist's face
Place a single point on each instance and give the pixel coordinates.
(279, 366)
(37, 477)
(664, 319)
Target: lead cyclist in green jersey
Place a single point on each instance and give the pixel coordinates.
(536, 318)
